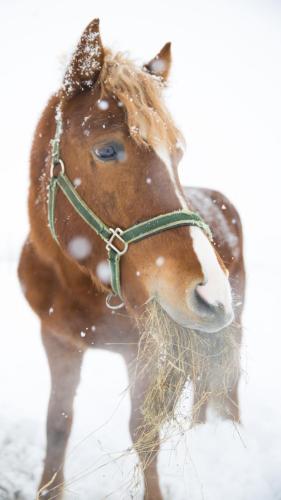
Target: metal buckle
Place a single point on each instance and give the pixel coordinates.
(116, 233)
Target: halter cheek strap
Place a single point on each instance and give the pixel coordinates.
(113, 238)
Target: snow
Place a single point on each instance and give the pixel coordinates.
(225, 95)
(103, 104)
(85, 119)
(158, 66)
(77, 182)
(89, 51)
(160, 261)
(104, 272)
(205, 205)
(79, 247)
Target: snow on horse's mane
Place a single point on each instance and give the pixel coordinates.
(149, 121)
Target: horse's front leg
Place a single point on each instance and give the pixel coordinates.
(218, 384)
(223, 400)
(145, 439)
(65, 364)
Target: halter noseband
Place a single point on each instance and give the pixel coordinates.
(109, 235)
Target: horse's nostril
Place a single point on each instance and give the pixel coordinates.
(202, 304)
(209, 307)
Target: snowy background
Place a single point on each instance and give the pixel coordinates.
(225, 95)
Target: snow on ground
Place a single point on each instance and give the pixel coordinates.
(226, 96)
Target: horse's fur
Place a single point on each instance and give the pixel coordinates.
(68, 295)
(149, 121)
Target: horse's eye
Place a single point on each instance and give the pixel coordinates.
(109, 152)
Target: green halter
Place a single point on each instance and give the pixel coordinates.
(109, 235)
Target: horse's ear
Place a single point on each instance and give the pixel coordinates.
(86, 62)
(160, 64)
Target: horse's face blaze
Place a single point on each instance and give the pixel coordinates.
(124, 182)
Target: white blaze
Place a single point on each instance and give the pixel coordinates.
(216, 288)
(163, 154)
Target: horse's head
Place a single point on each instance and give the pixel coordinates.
(121, 151)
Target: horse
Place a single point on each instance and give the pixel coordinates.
(111, 228)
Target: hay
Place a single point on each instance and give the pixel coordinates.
(170, 356)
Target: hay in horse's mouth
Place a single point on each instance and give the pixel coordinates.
(168, 357)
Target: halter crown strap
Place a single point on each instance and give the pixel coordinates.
(109, 235)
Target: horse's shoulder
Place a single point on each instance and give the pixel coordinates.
(46, 281)
(37, 279)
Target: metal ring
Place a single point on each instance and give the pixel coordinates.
(54, 165)
(110, 306)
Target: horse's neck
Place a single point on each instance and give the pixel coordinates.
(68, 272)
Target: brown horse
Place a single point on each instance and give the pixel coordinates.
(120, 151)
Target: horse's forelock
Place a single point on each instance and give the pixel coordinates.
(148, 119)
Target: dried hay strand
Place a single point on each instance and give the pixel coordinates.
(169, 356)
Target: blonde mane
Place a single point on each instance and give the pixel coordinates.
(148, 119)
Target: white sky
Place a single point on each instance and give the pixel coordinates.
(225, 89)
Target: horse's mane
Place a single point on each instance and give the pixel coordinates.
(148, 119)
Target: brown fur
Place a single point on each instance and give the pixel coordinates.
(67, 295)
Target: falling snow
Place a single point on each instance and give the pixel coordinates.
(160, 261)
(104, 272)
(216, 461)
(79, 247)
(103, 104)
(158, 66)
